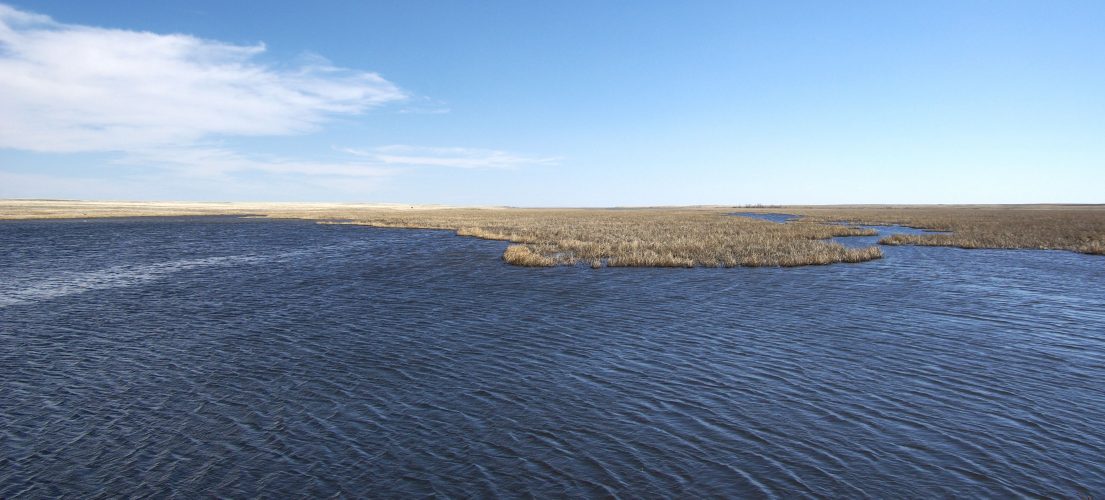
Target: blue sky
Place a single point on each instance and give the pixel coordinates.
(554, 103)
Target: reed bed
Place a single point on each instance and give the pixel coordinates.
(638, 237)
(670, 237)
(1077, 228)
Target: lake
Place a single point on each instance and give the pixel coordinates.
(242, 357)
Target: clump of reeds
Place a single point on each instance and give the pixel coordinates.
(522, 255)
(1096, 247)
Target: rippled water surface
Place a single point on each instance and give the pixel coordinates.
(240, 357)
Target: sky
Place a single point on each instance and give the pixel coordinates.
(560, 103)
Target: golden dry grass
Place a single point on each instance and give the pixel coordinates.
(1078, 228)
(663, 237)
(672, 237)
(683, 237)
(522, 255)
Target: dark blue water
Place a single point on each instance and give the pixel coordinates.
(848, 241)
(280, 358)
(780, 218)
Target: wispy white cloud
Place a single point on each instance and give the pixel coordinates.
(71, 88)
(171, 105)
(213, 161)
(171, 184)
(403, 155)
(213, 172)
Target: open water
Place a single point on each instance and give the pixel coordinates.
(243, 357)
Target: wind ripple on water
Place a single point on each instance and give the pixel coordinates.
(297, 359)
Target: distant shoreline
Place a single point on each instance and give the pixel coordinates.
(702, 236)
(23, 209)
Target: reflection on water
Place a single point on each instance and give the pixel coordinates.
(246, 357)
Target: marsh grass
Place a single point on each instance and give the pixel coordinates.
(668, 237)
(523, 255)
(675, 237)
(638, 237)
(1058, 227)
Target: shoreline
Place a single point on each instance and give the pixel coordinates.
(692, 236)
(79, 209)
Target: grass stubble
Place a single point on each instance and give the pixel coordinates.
(664, 237)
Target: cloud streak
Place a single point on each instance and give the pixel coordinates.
(403, 155)
(167, 108)
(212, 162)
(72, 88)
